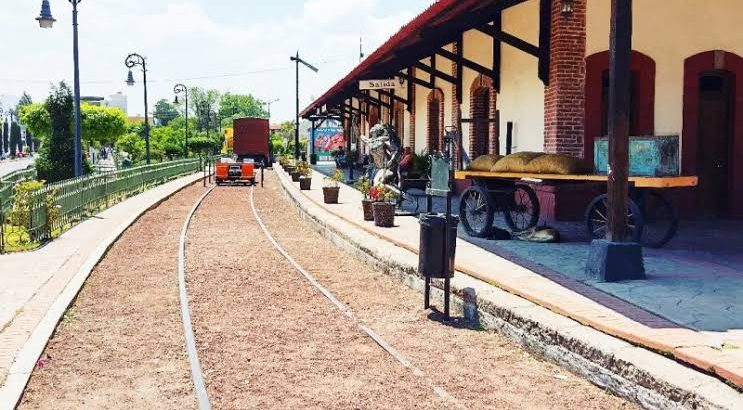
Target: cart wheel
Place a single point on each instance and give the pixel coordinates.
(476, 211)
(523, 212)
(661, 221)
(597, 219)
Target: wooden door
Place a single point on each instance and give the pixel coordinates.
(715, 136)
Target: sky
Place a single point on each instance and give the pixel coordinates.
(241, 46)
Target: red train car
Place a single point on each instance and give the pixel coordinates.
(252, 140)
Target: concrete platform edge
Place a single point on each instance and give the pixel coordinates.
(629, 371)
(20, 372)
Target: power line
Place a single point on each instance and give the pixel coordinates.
(206, 77)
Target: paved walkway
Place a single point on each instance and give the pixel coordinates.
(717, 352)
(11, 165)
(36, 285)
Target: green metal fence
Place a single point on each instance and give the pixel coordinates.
(58, 206)
(9, 181)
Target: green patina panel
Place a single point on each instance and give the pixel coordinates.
(648, 156)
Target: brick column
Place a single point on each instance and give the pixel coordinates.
(564, 98)
(454, 90)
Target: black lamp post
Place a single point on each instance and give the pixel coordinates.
(298, 60)
(180, 88)
(131, 61)
(46, 20)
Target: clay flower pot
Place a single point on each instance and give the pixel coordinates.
(330, 194)
(384, 214)
(289, 169)
(305, 183)
(295, 176)
(367, 206)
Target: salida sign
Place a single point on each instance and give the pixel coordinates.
(388, 84)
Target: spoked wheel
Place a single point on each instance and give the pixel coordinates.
(597, 219)
(523, 210)
(476, 211)
(661, 221)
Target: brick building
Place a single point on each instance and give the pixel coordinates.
(542, 67)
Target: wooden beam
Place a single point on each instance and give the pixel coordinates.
(393, 96)
(620, 49)
(436, 73)
(375, 101)
(497, 48)
(460, 70)
(416, 80)
(545, 39)
(411, 91)
(460, 60)
(511, 40)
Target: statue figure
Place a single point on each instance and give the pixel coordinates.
(384, 146)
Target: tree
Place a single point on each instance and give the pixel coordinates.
(100, 125)
(234, 106)
(25, 101)
(204, 103)
(165, 112)
(133, 145)
(16, 142)
(57, 154)
(5, 137)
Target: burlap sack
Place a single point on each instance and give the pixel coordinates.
(516, 162)
(484, 162)
(557, 164)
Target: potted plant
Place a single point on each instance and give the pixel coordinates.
(289, 164)
(383, 206)
(332, 187)
(305, 176)
(364, 185)
(296, 172)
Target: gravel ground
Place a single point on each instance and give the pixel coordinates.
(121, 344)
(266, 337)
(482, 369)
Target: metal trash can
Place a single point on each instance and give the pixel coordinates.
(431, 257)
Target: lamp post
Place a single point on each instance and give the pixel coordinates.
(298, 60)
(46, 20)
(133, 60)
(180, 88)
(269, 104)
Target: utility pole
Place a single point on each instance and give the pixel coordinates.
(296, 59)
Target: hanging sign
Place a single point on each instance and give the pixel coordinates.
(388, 84)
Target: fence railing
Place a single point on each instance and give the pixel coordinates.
(56, 207)
(8, 183)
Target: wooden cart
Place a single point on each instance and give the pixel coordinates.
(651, 217)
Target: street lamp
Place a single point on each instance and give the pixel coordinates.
(181, 88)
(131, 61)
(46, 20)
(268, 104)
(298, 60)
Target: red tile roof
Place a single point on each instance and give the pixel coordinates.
(409, 34)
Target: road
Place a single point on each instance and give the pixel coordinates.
(8, 166)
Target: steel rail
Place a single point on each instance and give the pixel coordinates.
(193, 357)
(386, 346)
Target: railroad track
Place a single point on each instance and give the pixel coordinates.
(196, 369)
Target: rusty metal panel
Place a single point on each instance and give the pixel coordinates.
(649, 156)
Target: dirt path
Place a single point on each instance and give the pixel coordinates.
(121, 344)
(266, 338)
(482, 369)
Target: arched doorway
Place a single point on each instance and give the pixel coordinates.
(712, 139)
(642, 98)
(435, 120)
(483, 133)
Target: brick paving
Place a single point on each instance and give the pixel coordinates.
(716, 352)
(33, 281)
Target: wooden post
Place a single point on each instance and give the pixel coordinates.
(619, 108)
